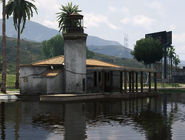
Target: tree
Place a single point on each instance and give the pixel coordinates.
(55, 46)
(171, 55)
(176, 60)
(62, 16)
(147, 51)
(3, 84)
(21, 10)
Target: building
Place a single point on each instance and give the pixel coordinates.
(47, 76)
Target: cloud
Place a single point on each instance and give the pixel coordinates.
(43, 5)
(179, 37)
(95, 20)
(158, 6)
(126, 20)
(139, 20)
(50, 24)
(172, 27)
(122, 10)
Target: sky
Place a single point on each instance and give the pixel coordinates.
(116, 19)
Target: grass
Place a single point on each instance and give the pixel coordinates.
(10, 81)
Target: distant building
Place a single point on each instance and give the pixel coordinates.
(178, 75)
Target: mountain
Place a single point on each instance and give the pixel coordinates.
(36, 32)
(96, 41)
(113, 50)
(33, 31)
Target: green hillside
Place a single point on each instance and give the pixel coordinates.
(127, 62)
(31, 52)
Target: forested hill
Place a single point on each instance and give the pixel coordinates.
(29, 52)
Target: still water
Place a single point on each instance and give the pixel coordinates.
(160, 118)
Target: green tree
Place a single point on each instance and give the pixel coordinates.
(62, 16)
(147, 51)
(3, 67)
(21, 10)
(89, 54)
(176, 60)
(171, 54)
(53, 47)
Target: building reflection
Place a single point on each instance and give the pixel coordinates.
(152, 116)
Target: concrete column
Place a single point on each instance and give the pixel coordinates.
(141, 81)
(103, 81)
(111, 81)
(121, 82)
(75, 62)
(132, 81)
(125, 81)
(136, 81)
(155, 81)
(149, 84)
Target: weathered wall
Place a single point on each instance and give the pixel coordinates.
(37, 84)
(55, 85)
(75, 62)
(26, 78)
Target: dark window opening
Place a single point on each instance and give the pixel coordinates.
(83, 84)
(99, 78)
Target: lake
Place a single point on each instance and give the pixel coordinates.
(159, 118)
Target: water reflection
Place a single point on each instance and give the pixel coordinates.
(147, 118)
(2, 120)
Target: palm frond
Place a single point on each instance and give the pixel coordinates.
(64, 12)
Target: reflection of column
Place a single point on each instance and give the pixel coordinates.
(2, 120)
(133, 106)
(141, 104)
(17, 120)
(75, 122)
(125, 107)
(136, 106)
(130, 106)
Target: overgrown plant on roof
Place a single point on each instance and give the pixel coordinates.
(64, 12)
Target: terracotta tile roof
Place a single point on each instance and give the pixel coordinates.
(97, 63)
(60, 59)
(52, 72)
(51, 61)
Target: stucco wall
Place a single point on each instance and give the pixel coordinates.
(55, 84)
(31, 81)
(75, 64)
(26, 78)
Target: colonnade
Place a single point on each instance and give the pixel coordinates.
(131, 78)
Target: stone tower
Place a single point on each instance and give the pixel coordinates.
(75, 55)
